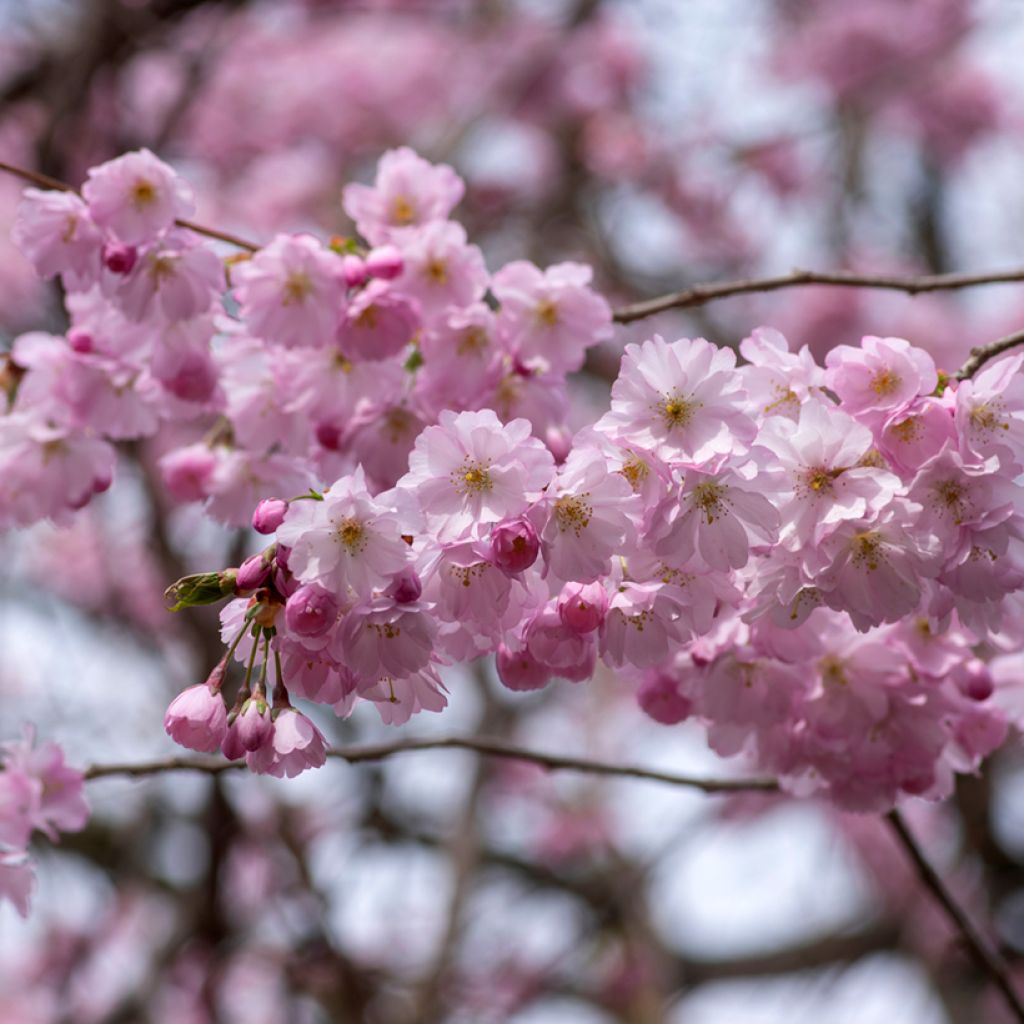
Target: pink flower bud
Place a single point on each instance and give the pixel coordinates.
(197, 719)
(252, 573)
(80, 340)
(353, 270)
(559, 443)
(231, 746)
(119, 258)
(660, 698)
(328, 435)
(519, 670)
(514, 545)
(311, 610)
(254, 726)
(385, 262)
(405, 586)
(269, 515)
(975, 680)
(582, 606)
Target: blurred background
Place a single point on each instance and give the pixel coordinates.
(666, 144)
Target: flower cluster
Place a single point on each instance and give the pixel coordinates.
(807, 558)
(338, 355)
(38, 792)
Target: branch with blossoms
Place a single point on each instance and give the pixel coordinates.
(482, 745)
(817, 564)
(702, 294)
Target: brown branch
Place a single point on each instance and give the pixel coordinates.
(983, 954)
(45, 181)
(481, 745)
(983, 353)
(701, 294)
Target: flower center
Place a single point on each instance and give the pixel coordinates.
(677, 411)
(297, 285)
(352, 534)
(709, 499)
(867, 550)
(472, 478)
(832, 672)
(547, 312)
(953, 496)
(885, 382)
(573, 513)
(437, 271)
(367, 319)
(402, 210)
(907, 430)
(474, 340)
(636, 471)
(985, 418)
(820, 481)
(143, 194)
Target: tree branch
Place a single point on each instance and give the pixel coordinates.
(45, 181)
(484, 746)
(983, 954)
(701, 294)
(983, 353)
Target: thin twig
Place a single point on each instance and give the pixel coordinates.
(983, 353)
(987, 959)
(481, 745)
(701, 294)
(45, 181)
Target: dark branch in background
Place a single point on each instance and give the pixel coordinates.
(986, 958)
(700, 294)
(480, 745)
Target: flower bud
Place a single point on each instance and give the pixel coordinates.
(197, 718)
(385, 262)
(118, 258)
(311, 611)
(353, 270)
(519, 670)
(252, 573)
(80, 340)
(254, 725)
(582, 606)
(660, 698)
(328, 435)
(405, 586)
(269, 515)
(975, 681)
(514, 545)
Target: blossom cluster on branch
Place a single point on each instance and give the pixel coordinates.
(810, 560)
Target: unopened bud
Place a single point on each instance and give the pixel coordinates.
(118, 258)
(252, 573)
(514, 545)
(385, 262)
(405, 586)
(269, 515)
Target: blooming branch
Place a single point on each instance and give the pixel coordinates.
(485, 746)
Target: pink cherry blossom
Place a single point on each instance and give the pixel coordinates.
(294, 745)
(378, 324)
(683, 401)
(408, 191)
(582, 606)
(471, 470)
(197, 719)
(137, 196)
(291, 292)
(56, 234)
(552, 315)
(347, 542)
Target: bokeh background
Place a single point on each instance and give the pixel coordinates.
(667, 144)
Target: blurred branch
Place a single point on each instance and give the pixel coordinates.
(480, 745)
(983, 954)
(983, 353)
(700, 294)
